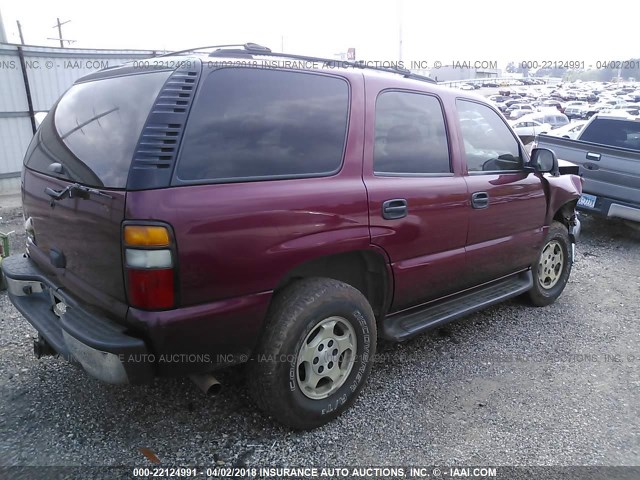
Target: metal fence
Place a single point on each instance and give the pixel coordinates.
(31, 81)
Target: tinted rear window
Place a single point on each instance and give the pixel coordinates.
(94, 129)
(250, 123)
(616, 133)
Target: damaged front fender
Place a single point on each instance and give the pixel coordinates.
(563, 193)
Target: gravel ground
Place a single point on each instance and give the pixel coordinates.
(512, 385)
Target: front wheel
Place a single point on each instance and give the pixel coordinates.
(551, 270)
(632, 225)
(315, 354)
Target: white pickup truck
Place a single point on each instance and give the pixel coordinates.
(607, 151)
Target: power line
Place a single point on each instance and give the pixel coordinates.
(58, 25)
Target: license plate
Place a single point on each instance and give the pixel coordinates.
(588, 201)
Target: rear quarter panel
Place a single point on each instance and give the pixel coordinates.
(239, 239)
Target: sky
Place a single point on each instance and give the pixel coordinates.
(446, 31)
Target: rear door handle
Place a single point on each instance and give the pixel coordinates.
(480, 200)
(394, 209)
(593, 156)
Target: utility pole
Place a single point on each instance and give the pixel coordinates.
(20, 32)
(58, 25)
(400, 30)
(60, 31)
(3, 34)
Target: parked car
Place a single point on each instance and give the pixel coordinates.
(607, 150)
(630, 108)
(571, 130)
(592, 109)
(549, 116)
(554, 104)
(518, 110)
(498, 98)
(576, 109)
(195, 215)
(504, 106)
(530, 128)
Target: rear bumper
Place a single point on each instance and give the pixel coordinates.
(102, 347)
(608, 207)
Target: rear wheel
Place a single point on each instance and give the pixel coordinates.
(551, 270)
(315, 353)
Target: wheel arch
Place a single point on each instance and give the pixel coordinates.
(368, 271)
(565, 213)
(563, 193)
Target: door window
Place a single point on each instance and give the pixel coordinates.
(488, 142)
(410, 135)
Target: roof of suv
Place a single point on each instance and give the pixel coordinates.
(392, 78)
(256, 56)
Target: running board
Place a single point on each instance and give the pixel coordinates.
(404, 325)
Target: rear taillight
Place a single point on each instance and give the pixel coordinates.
(150, 266)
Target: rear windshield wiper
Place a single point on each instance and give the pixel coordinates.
(74, 190)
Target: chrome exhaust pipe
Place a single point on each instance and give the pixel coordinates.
(206, 382)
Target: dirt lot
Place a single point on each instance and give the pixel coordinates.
(512, 385)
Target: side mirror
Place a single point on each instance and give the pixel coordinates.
(544, 160)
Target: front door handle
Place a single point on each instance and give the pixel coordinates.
(593, 156)
(480, 200)
(394, 209)
(590, 166)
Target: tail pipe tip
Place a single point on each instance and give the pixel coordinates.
(207, 383)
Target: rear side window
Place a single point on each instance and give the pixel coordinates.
(617, 133)
(250, 123)
(94, 129)
(410, 135)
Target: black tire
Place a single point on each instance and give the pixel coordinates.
(557, 239)
(629, 223)
(274, 378)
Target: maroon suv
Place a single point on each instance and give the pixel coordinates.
(202, 210)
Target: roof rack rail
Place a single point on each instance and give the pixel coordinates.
(342, 63)
(256, 49)
(246, 46)
(348, 63)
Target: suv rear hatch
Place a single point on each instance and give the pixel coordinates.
(82, 154)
